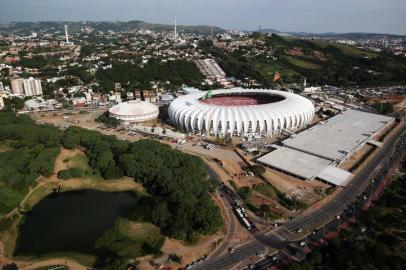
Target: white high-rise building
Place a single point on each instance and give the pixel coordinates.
(32, 87)
(2, 97)
(17, 86)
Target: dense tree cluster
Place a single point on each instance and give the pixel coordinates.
(34, 150)
(13, 104)
(39, 61)
(108, 121)
(133, 76)
(25, 133)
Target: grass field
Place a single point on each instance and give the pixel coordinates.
(266, 190)
(36, 196)
(146, 235)
(302, 63)
(82, 161)
(269, 71)
(131, 239)
(351, 51)
(10, 198)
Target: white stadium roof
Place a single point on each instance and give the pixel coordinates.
(291, 112)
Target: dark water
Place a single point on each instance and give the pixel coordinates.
(71, 221)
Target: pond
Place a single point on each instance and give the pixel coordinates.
(71, 221)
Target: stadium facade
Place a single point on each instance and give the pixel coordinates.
(241, 112)
(134, 111)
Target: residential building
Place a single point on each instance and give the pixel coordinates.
(32, 87)
(17, 86)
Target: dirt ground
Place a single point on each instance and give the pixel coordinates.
(60, 164)
(352, 162)
(398, 102)
(304, 190)
(25, 265)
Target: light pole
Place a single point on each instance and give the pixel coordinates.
(339, 223)
(372, 190)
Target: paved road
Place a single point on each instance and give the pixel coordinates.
(279, 238)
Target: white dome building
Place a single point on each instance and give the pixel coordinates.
(240, 111)
(134, 111)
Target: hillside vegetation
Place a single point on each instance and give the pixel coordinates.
(321, 62)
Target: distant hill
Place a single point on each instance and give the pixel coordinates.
(270, 31)
(355, 35)
(74, 27)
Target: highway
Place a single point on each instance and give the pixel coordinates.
(279, 238)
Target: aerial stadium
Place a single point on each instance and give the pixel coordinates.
(240, 112)
(134, 111)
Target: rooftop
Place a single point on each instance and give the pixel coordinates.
(340, 135)
(295, 162)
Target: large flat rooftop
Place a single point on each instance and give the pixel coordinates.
(295, 162)
(338, 136)
(315, 152)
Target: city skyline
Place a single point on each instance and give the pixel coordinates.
(316, 16)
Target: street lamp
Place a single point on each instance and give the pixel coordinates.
(339, 223)
(372, 189)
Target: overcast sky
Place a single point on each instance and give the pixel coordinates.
(383, 16)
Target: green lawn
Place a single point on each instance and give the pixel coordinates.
(352, 51)
(10, 198)
(303, 64)
(268, 71)
(82, 161)
(266, 190)
(132, 239)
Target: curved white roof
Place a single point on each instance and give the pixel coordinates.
(134, 110)
(190, 113)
